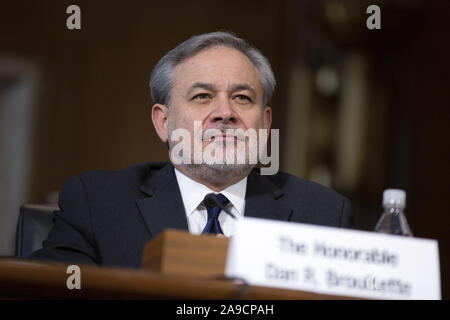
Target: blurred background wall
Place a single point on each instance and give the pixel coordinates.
(358, 110)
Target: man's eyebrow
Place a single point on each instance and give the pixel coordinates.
(201, 85)
(241, 87)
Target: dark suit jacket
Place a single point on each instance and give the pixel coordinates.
(107, 217)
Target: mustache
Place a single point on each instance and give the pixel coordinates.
(237, 133)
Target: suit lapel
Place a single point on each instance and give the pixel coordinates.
(263, 199)
(163, 207)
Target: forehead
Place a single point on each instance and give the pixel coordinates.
(219, 65)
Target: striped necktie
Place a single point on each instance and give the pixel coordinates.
(213, 225)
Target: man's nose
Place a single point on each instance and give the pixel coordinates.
(223, 111)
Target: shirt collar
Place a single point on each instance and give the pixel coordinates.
(193, 193)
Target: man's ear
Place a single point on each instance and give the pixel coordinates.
(160, 118)
(267, 117)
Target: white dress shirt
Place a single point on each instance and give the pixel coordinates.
(193, 193)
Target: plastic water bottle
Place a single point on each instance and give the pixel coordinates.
(393, 220)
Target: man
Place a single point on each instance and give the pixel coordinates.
(211, 81)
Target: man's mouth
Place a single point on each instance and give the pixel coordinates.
(230, 135)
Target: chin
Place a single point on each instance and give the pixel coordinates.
(219, 173)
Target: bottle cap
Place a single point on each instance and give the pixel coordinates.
(395, 197)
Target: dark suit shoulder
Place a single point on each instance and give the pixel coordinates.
(291, 184)
(98, 221)
(314, 203)
(134, 175)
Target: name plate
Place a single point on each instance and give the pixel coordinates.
(334, 261)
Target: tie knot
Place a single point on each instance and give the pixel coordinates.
(222, 199)
(211, 200)
(213, 203)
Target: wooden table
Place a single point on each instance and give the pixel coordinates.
(33, 279)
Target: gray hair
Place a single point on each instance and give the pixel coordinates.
(161, 80)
